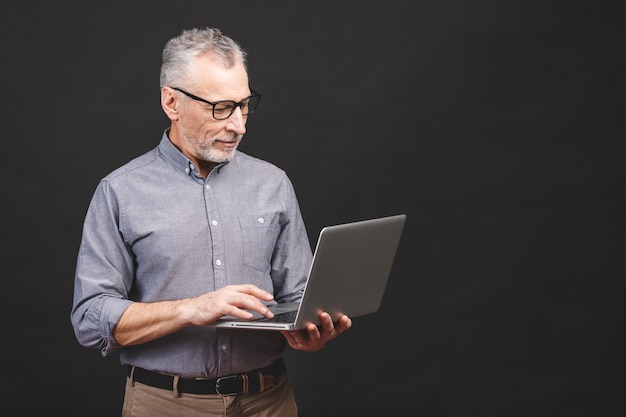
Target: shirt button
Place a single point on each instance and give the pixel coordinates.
(207, 186)
(214, 222)
(261, 220)
(224, 347)
(218, 262)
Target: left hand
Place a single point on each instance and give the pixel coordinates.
(314, 338)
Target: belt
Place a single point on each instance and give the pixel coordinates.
(254, 381)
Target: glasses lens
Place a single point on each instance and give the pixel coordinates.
(249, 105)
(223, 109)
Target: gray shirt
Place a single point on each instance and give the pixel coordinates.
(155, 230)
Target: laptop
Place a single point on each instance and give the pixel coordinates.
(348, 275)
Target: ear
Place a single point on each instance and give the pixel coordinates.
(170, 103)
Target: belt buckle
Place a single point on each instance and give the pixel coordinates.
(221, 380)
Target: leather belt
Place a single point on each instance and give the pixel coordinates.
(254, 381)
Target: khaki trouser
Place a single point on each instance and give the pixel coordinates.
(145, 401)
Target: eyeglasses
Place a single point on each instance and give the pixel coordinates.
(223, 109)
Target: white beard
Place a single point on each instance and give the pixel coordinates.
(212, 154)
(208, 151)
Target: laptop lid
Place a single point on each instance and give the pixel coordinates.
(348, 275)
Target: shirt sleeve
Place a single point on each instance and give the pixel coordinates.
(103, 275)
(292, 255)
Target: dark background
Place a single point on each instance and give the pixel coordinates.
(496, 126)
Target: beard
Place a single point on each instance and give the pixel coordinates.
(209, 152)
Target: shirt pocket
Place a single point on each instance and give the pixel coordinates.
(259, 234)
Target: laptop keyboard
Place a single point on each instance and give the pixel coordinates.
(286, 317)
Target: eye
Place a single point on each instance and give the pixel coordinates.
(223, 107)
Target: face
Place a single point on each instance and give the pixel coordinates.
(199, 136)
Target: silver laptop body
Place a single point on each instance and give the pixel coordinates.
(349, 273)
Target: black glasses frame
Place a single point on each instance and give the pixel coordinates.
(234, 104)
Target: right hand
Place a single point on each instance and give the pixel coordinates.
(144, 322)
(232, 300)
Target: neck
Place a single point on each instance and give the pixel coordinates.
(205, 167)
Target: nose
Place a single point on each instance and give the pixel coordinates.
(237, 122)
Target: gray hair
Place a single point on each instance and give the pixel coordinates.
(180, 52)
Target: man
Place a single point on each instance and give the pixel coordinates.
(187, 233)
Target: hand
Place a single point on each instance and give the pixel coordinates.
(311, 339)
(143, 322)
(232, 300)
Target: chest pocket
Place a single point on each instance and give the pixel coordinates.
(258, 234)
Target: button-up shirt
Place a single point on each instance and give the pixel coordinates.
(156, 230)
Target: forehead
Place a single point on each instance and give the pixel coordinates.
(215, 81)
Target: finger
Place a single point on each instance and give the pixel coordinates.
(235, 311)
(343, 324)
(326, 326)
(313, 331)
(242, 306)
(327, 322)
(255, 291)
(290, 337)
(241, 297)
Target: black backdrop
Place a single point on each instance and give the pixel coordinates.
(497, 127)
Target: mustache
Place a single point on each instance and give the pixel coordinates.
(233, 138)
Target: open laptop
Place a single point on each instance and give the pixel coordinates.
(351, 265)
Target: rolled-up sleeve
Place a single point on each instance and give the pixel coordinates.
(104, 273)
